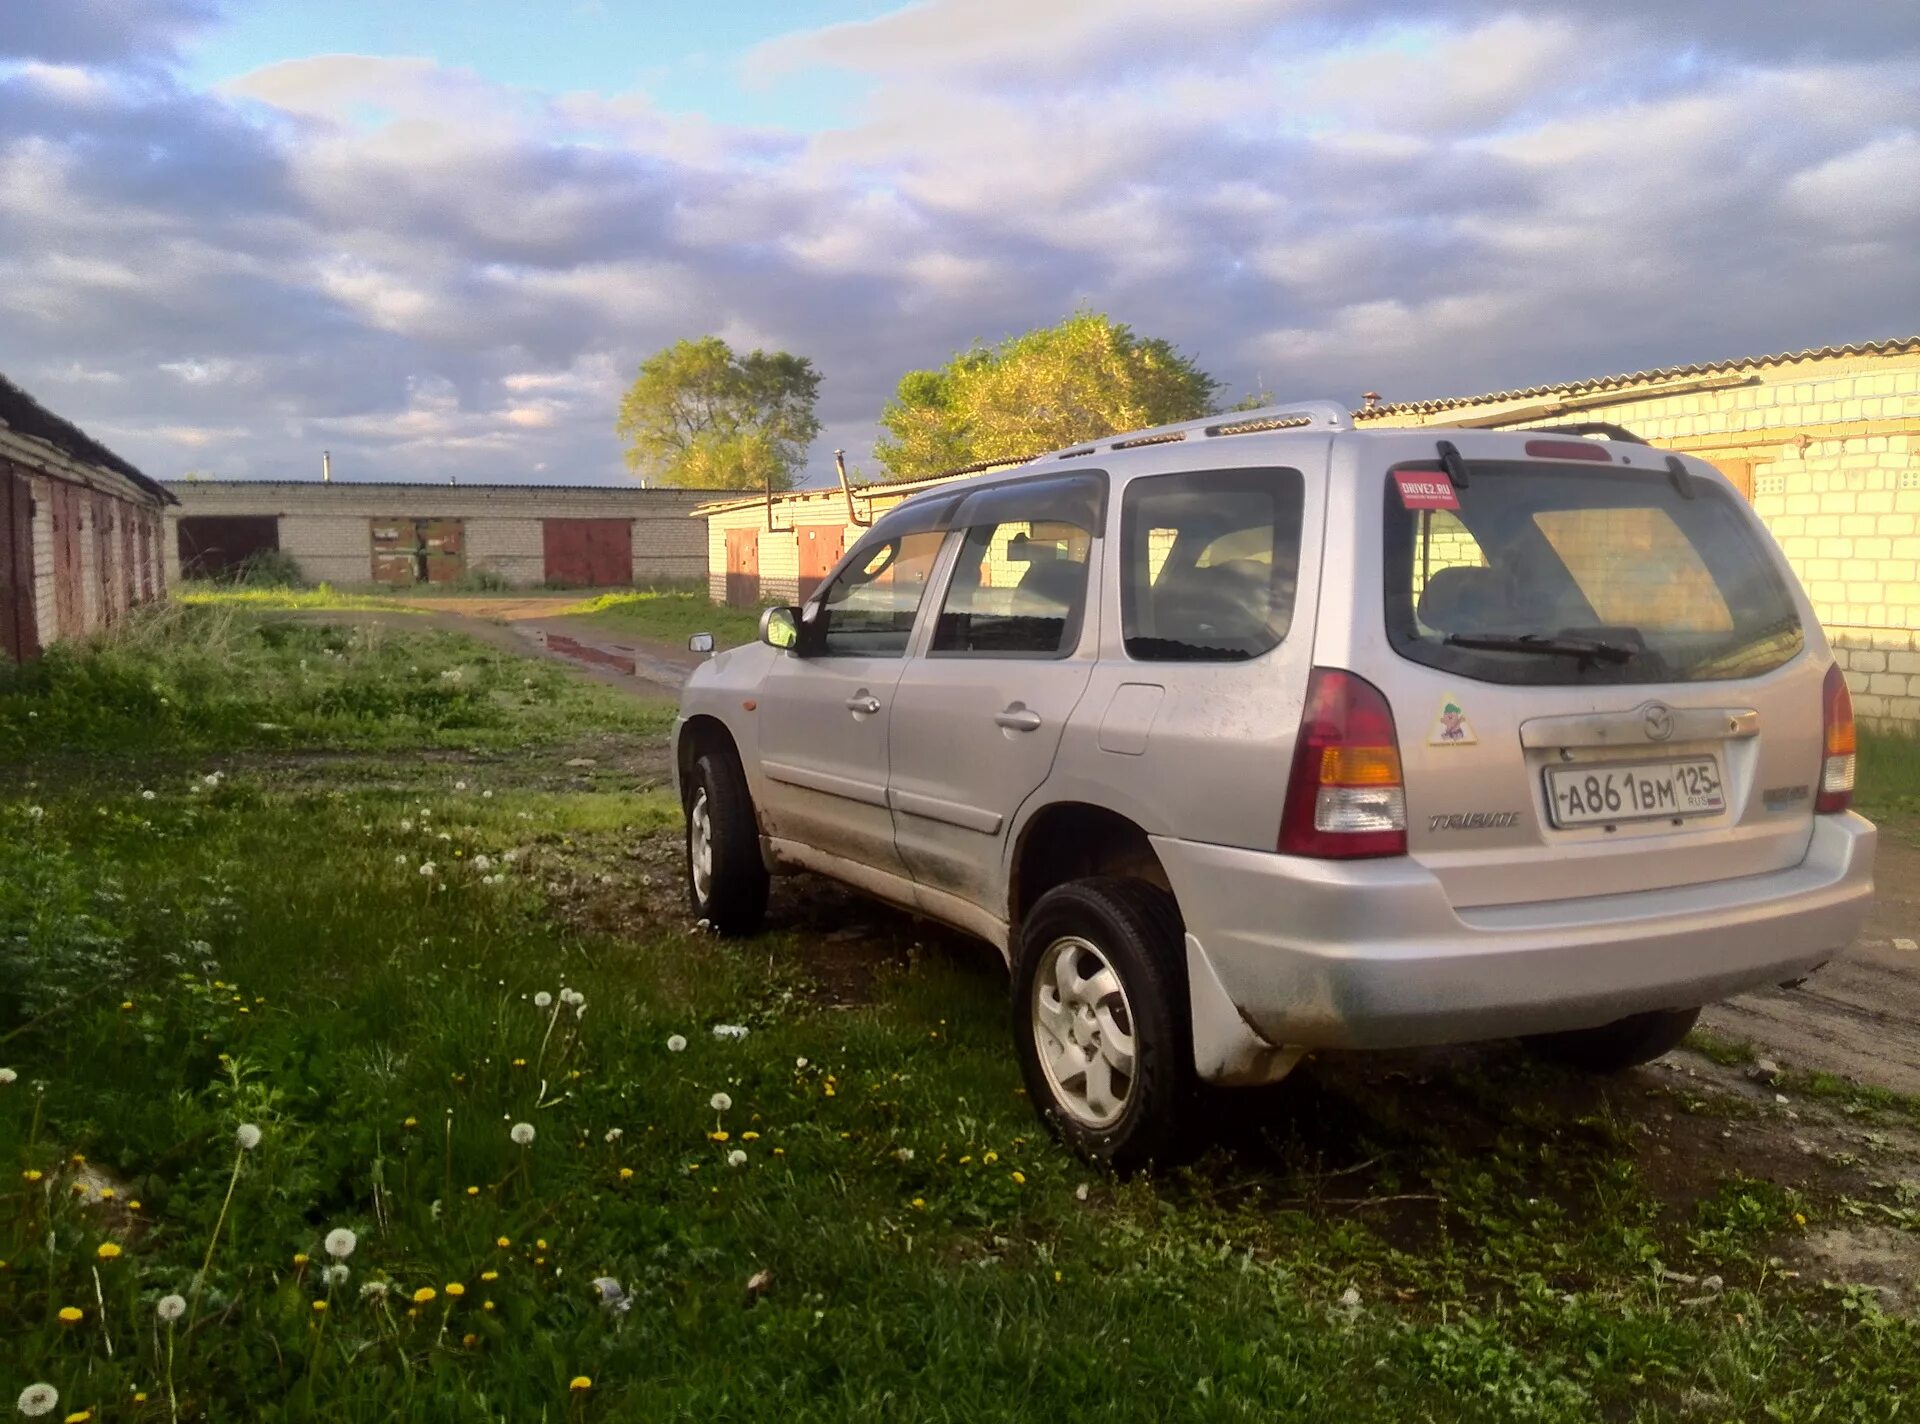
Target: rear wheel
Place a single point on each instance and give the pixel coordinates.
(1638, 1038)
(1100, 1019)
(726, 879)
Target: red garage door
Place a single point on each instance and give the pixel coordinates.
(18, 636)
(589, 553)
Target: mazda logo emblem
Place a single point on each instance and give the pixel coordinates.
(1659, 722)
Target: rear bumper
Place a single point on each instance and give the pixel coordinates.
(1370, 954)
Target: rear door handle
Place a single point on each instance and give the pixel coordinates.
(865, 702)
(1018, 719)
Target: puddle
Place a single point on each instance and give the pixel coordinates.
(588, 653)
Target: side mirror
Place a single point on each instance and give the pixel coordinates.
(700, 643)
(780, 628)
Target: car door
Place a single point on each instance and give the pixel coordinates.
(978, 718)
(826, 706)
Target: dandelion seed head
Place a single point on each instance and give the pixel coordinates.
(170, 1308)
(522, 1134)
(736, 1158)
(248, 1136)
(720, 1102)
(340, 1243)
(8, 1076)
(614, 1134)
(676, 1044)
(336, 1275)
(542, 999)
(38, 1399)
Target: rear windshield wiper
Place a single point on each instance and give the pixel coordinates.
(1588, 650)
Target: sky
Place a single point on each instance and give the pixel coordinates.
(438, 239)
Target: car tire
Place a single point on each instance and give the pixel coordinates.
(1100, 1020)
(1622, 1044)
(727, 880)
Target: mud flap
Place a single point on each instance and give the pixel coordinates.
(1226, 1050)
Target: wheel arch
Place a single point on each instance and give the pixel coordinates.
(1070, 840)
(699, 735)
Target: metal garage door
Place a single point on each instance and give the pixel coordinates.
(821, 546)
(743, 567)
(212, 545)
(409, 551)
(19, 639)
(588, 553)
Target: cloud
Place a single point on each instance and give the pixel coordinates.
(100, 31)
(437, 276)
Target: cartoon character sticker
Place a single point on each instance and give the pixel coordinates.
(1451, 728)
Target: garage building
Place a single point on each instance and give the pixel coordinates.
(80, 530)
(359, 532)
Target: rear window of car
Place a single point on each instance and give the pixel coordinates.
(1211, 560)
(1548, 574)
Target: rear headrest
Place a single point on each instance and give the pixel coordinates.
(1463, 598)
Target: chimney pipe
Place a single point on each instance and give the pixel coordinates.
(326, 467)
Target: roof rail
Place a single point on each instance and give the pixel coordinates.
(1592, 427)
(1294, 415)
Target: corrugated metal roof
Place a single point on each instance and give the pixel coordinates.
(884, 490)
(23, 414)
(1892, 347)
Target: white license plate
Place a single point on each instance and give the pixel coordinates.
(1609, 793)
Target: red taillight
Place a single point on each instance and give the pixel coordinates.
(1837, 744)
(1568, 450)
(1346, 798)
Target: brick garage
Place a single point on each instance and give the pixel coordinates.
(1826, 443)
(357, 532)
(80, 530)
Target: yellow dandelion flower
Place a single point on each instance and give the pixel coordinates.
(486, 1305)
(519, 1062)
(424, 1294)
(503, 1243)
(539, 1260)
(1019, 1178)
(919, 1203)
(489, 1275)
(749, 1137)
(71, 1315)
(779, 1151)
(107, 1194)
(79, 1159)
(126, 1004)
(626, 1174)
(299, 1259)
(469, 1339)
(964, 1160)
(139, 1396)
(579, 1383)
(319, 1307)
(987, 1159)
(245, 1010)
(716, 1136)
(473, 1191)
(829, 1090)
(539, 1243)
(1056, 1277)
(413, 1312)
(455, 1289)
(133, 1206)
(80, 1416)
(109, 1250)
(1799, 1220)
(411, 1123)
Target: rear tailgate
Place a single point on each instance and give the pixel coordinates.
(1602, 676)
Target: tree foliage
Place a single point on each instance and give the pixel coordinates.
(700, 416)
(1055, 386)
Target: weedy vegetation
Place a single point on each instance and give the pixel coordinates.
(670, 616)
(397, 1085)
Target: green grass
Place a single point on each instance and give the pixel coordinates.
(322, 596)
(263, 948)
(211, 678)
(670, 616)
(1887, 777)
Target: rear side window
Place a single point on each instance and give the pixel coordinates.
(1017, 591)
(1210, 562)
(1548, 574)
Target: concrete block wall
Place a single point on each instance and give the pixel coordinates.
(327, 528)
(49, 627)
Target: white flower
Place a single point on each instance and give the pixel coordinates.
(486, 796)
(7, 1075)
(459, 786)
(613, 1297)
(444, 836)
(482, 862)
(735, 1032)
(614, 1134)
(799, 1063)
(427, 868)
(170, 1308)
(38, 1399)
(400, 859)
(406, 825)
(905, 1154)
(522, 1133)
(146, 795)
(248, 1136)
(34, 813)
(676, 1044)
(542, 999)
(373, 1290)
(336, 1275)
(340, 1243)
(720, 1102)
(736, 1158)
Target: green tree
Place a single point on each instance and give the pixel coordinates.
(700, 416)
(1055, 386)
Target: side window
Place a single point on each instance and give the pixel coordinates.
(868, 611)
(1018, 590)
(1211, 562)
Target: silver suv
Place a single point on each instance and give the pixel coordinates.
(1263, 734)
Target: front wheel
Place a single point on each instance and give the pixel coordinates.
(727, 881)
(1100, 1019)
(1622, 1044)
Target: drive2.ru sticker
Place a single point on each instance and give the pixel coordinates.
(1426, 489)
